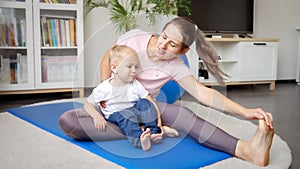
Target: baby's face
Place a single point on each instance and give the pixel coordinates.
(128, 68)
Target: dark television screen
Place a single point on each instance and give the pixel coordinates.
(223, 16)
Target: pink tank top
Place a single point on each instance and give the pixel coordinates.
(152, 75)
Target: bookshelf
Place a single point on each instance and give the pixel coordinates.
(42, 50)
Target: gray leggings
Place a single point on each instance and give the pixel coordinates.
(78, 125)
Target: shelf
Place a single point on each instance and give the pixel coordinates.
(14, 4)
(223, 61)
(58, 6)
(271, 83)
(242, 39)
(80, 90)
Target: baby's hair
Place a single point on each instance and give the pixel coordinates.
(118, 52)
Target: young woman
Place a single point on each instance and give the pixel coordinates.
(159, 63)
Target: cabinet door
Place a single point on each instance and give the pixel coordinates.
(258, 61)
(58, 39)
(16, 45)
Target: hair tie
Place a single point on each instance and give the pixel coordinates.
(196, 27)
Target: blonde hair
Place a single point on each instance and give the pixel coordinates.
(118, 52)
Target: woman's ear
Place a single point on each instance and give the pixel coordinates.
(184, 51)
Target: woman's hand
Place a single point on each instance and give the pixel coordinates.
(100, 123)
(258, 114)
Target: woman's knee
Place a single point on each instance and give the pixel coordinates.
(70, 124)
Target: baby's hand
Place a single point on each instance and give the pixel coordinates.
(169, 132)
(100, 123)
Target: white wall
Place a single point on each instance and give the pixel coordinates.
(278, 19)
(273, 19)
(99, 35)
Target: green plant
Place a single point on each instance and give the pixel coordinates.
(124, 13)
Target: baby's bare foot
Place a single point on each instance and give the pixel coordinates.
(170, 132)
(156, 138)
(145, 140)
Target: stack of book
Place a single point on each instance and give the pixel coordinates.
(12, 31)
(61, 1)
(59, 68)
(58, 31)
(13, 69)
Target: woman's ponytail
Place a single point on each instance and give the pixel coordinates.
(209, 56)
(207, 53)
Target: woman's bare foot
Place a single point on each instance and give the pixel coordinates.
(156, 138)
(257, 150)
(170, 132)
(145, 140)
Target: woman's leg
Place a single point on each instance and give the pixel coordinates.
(256, 150)
(200, 130)
(78, 125)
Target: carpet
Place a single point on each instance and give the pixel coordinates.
(23, 144)
(184, 152)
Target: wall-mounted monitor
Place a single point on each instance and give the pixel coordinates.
(223, 16)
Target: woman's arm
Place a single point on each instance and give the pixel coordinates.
(216, 100)
(105, 71)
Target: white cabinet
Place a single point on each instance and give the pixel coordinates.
(258, 61)
(53, 47)
(16, 46)
(246, 61)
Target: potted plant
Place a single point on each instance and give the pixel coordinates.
(124, 13)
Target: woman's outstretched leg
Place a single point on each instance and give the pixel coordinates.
(78, 125)
(205, 133)
(213, 137)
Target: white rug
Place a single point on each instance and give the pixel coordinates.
(23, 145)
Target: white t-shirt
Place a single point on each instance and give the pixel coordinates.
(117, 98)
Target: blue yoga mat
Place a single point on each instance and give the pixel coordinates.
(177, 153)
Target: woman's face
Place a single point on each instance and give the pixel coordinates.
(169, 44)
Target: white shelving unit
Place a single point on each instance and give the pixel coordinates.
(246, 61)
(54, 47)
(15, 44)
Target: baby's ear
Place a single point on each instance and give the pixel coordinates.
(113, 68)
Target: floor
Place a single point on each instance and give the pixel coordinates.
(283, 103)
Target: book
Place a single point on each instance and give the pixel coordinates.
(23, 30)
(53, 32)
(67, 22)
(5, 70)
(15, 31)
(44, 32)
(23, 69)
(13, 65)
(72, 32)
